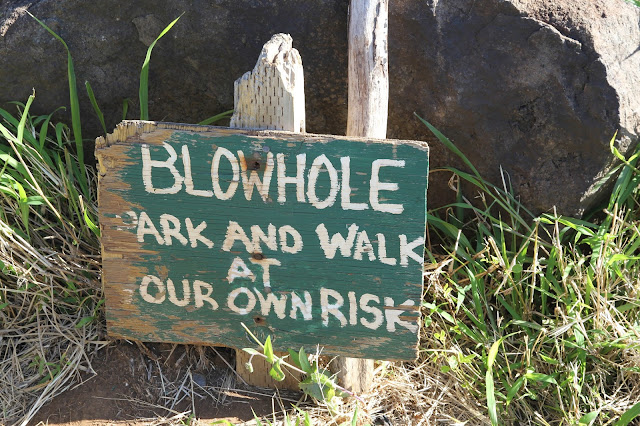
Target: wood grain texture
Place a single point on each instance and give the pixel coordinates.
(362, 299)
(270, 97)
(368, 68)
(367, 116)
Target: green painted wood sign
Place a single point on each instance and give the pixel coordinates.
(313, 240)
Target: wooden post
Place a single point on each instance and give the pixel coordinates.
(367, 116)
(368, 69)
(270, 97)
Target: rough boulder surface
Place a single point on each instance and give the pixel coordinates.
(537, 87)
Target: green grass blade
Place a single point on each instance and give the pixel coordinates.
(94, 104)
(629, 415)
(73, 101)
(23, 119)
(491, 396)
(10, 119)
(44, 129)
(216, 118)
(125, 108)
(513, 390)
(449, 145)
(617, 153)
(144, 74)
(588, 418)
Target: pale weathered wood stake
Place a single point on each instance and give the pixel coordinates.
(368, 69)
(270, 97)
(367, 116)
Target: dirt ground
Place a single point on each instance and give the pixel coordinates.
(141, 384)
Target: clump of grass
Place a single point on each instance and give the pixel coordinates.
(50, 296)
(536, 318)
(50, 293)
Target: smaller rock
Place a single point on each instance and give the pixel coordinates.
(199, 379)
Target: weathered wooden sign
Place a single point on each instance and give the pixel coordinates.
(313, 240)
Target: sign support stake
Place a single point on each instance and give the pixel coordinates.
(271, 96)
(367, 116)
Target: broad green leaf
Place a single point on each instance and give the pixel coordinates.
(268, 350)
(304, 361)
(73, 96)
(276, 371)
(23, 119)
(125, 108)
(450, 146)
(539, 377)
(317, 385)
(91, 225)
(293, 355)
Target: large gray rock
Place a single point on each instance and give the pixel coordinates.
(535, 86)
(538, 87)
(192, 68)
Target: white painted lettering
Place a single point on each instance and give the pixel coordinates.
(171, 228)
(148, 164)
(334, 186)
(233, 295)
(272, 301)
(363, 245)
(253, 180)
(376, 186)
(215, 174)
(406, 250)
(285, 230)
(146, 226)
(298, 180)
(188, 178)
(195, 234)
(382, 251)
(353, 308)
(298, 305)
(265, 263)
(392, 316)
(186, 293)
(239, 269)
(236, 233)
(345, 194)
(331, 308)
(202, 293)
(257, 235)
(337, 241)
(377, 313)
(144, 289)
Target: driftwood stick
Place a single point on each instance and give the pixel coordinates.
(368, 69)
(367, 116)
(271, 96)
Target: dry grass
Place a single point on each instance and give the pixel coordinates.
(50, 292)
